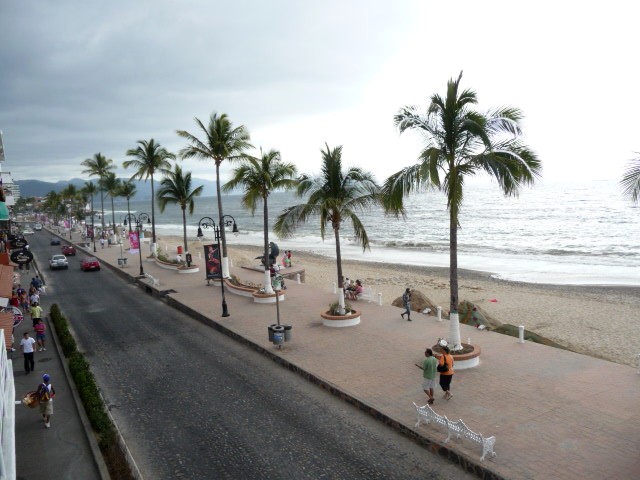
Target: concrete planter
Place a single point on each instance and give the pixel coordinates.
(464, 361)
(167, 265)
(191, 269)
(238, 289)
(339, 321)
(267, 297)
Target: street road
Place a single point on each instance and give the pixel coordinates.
(193, 403)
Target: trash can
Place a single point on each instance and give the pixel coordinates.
(278, 335)
(120, 262)
(287, 333)
(270, 328)
(124, 261)
(180, 249)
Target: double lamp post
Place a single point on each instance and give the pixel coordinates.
(139, 220)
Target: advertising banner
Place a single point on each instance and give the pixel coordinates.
(212, 262)
(134, 242)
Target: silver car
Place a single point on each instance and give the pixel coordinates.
(58, 261)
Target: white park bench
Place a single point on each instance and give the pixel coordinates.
(427, 415)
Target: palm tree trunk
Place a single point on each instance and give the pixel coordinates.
(102, 209)
(113, 216)
(336, 231)
(153, 213)
(129, 214)
(223, 238)
(453, 259)
(267, 273)
(184, 229)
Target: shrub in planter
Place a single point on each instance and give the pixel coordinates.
(334, 308)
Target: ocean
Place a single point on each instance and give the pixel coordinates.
(570, 233)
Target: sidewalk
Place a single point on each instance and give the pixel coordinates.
(555, 414)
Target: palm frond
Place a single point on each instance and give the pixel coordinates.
(631, 180)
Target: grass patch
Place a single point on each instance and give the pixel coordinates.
(89, 393)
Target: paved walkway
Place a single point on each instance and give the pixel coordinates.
(556, 414)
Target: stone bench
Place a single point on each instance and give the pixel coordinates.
(427, 415)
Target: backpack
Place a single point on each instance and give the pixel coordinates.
(45, 394)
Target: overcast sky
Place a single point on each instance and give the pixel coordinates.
(82, 77)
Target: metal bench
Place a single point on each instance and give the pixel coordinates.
(427, 415)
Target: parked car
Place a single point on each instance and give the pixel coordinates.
(37, 227)
(89, 263)
(58, 261)
(55, 241)
(28, 231)
(69, 250)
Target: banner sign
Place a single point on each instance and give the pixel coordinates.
(134, 242)
(21, 257)
(19, 243)
(212, 262)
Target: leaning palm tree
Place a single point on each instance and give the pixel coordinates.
(175, 188)
(336, 197)
(631, 180)
(260, 177)
(221, 142)
(128, 190)
(461, 142)
(98, 166)
(149, 158)
(111, 184)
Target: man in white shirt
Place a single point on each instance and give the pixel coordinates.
(26, 345)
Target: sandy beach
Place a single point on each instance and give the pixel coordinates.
(601, 321)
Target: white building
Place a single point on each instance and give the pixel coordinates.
(11, 190)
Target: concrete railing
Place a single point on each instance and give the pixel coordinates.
(7, 415)
(459, 429)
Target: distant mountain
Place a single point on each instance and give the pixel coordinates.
(37, 188)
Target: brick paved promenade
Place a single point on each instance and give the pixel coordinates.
(555, 414)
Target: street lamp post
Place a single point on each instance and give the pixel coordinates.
(93, 228)
(208, 222)
(140, 219)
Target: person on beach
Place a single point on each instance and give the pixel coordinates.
(353, 293)
(447, 375)
(40, 330)
(406, 301)
(429, 370)
(26, 345)
(45, 393)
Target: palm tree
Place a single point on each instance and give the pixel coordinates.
(128, 190)
(631, 180)
(89, 190)
(176, 188)
(69, 200)
(336, 197)
(221, 142)
(52, 205)
(149, 158)
(99, 166)
(260, 177)
(111, 184)
(461, 142)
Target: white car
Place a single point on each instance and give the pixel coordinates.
(27, 231)
(58, 261)
(37, 227)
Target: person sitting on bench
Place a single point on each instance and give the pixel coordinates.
(358, 290)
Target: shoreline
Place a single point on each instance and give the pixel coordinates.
(596, 320)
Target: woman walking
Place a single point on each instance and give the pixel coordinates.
(446, 375)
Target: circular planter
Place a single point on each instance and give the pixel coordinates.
(237, 289)
(267, 297)
(192, 269)
(462, 361)
(339, 321)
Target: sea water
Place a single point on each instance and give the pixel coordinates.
(556, 232)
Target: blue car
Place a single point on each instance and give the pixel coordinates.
(55, 241)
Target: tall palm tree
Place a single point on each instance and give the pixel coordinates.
(148, 159)
(111, 184)
(89, 190)
(69, 200)
(52, 204)
(98, 166)
(336, 197)
(128, 190)
(221, 142)
(260, 177)
(631, 180)
(461, 142)
(176, 188)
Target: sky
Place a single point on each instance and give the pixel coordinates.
(77, 78)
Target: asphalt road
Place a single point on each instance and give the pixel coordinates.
(193, 403)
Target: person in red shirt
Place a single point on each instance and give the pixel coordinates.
(40, 329)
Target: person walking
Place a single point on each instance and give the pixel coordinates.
(40, 329)
(429, 370)
(26, 345)
(406, 301)
(36, 313)
(45, 393)
(446, 375)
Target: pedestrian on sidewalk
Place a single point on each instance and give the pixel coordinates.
(447, 375)
(406, 301)
(40, 329)
(36, 313)
(26, 345)
(101, 242)
(429, 371)
(45, 393)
